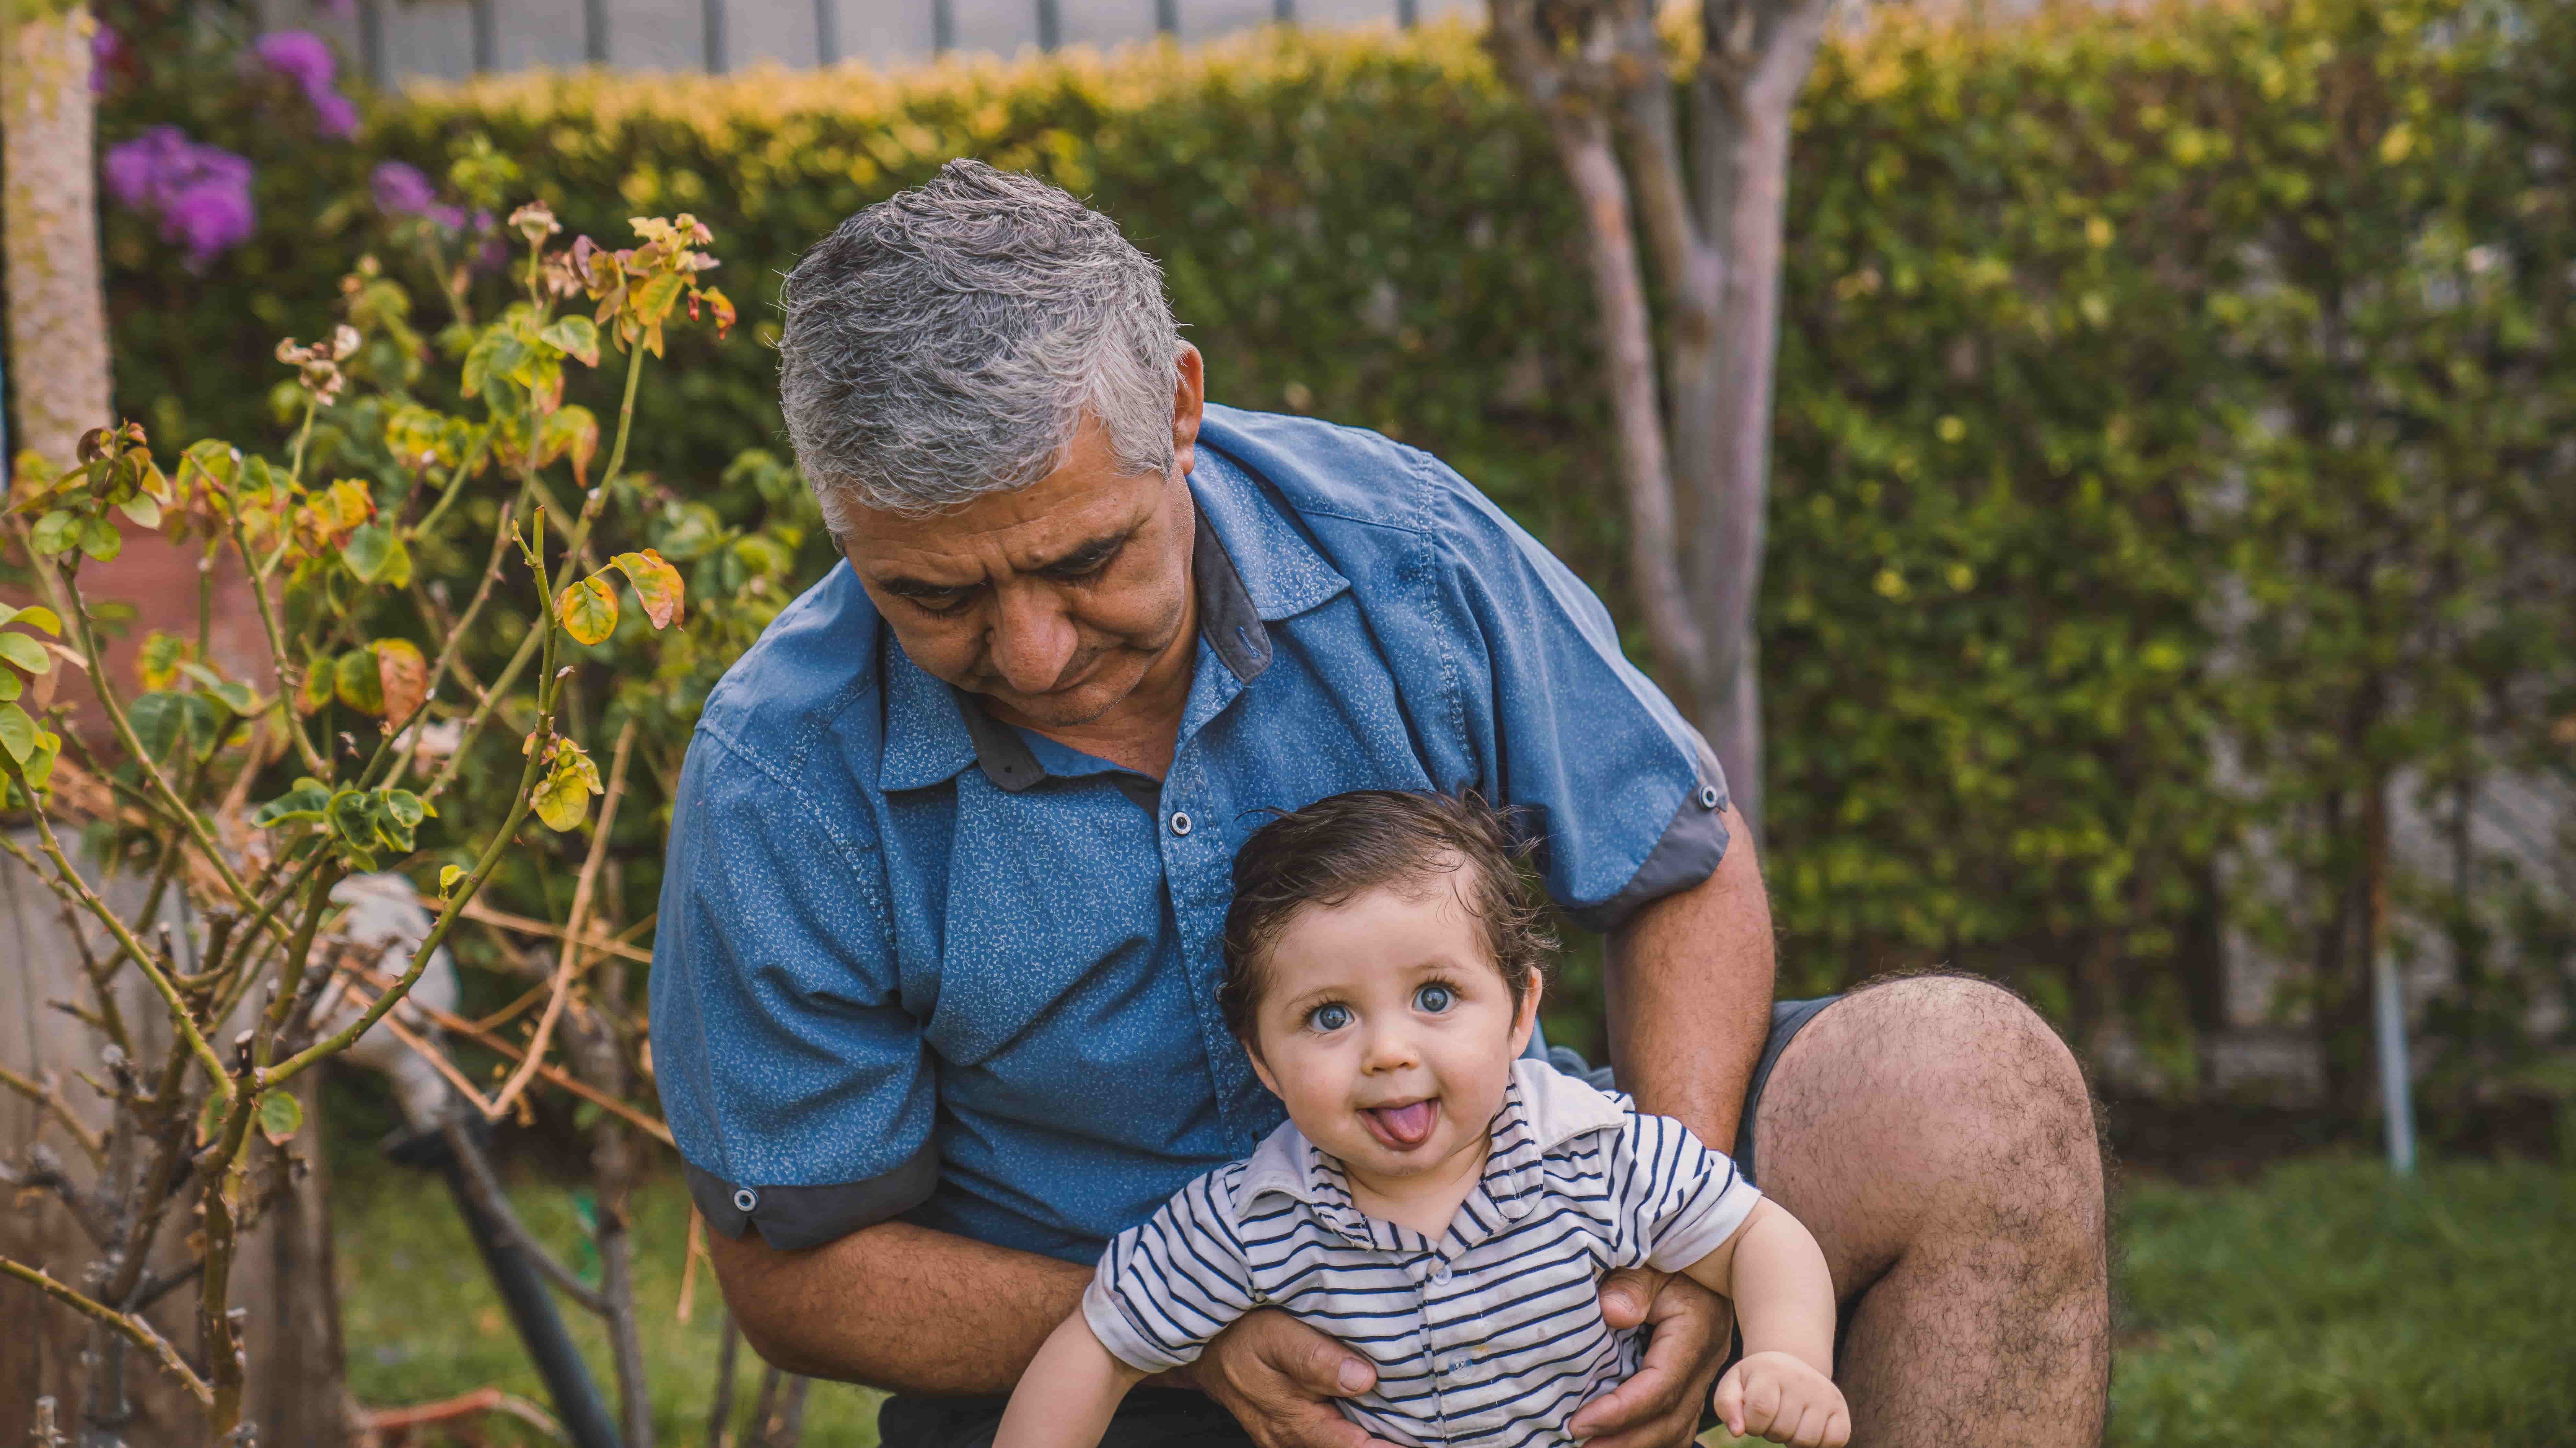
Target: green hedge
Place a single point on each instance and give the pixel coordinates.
(2167, 449)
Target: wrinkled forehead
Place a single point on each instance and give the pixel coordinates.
(1022, 530)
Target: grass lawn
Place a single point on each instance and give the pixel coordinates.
(2319, 1305)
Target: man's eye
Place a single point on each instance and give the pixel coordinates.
(947, 602)
(1329, 1018)
(1435, 998)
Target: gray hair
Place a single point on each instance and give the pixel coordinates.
(948, 341)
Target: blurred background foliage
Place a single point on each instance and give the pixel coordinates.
(2172, 446)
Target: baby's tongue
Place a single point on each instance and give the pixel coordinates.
(1405, 1125)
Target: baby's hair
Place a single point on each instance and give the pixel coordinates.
(1342, 846)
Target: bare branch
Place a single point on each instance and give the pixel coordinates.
(132, 1328)
(568, 967)
(486, 1191)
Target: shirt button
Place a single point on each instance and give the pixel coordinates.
(1440, 1272)
(1708, 796)
(746, 1200)
(1180, 822)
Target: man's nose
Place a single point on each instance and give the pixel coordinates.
(1032, 639)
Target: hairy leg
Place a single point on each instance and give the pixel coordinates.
(1938, 1139)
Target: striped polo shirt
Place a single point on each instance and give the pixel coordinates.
(1491, 1334)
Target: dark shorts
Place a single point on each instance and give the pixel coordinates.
(1168, 1418)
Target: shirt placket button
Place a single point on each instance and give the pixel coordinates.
(1181, 822)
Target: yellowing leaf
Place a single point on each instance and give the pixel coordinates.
(447, 877)
(657, 585)
(357, 682)
(588, 610)
(402, 678)
(571, 432)
(561, 801)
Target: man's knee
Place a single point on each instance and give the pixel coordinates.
(1972, 1095)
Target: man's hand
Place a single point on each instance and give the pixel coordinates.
(1278, 1377)
(1659, 1407)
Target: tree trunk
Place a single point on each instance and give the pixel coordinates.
(57, 312)
(1693, 435)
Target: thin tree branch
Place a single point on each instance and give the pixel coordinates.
(486, 1191)
(133, 1329)
(568, 967)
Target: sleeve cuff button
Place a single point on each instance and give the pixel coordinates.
(745, 1200)
(1708, 796)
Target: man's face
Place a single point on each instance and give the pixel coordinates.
(1052, 602)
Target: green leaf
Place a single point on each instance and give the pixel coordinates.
(210, 1118)
(390, 827)
(351, 820)
(368, 552)
(405, 806)
(100, 540)
(143, 509)
(41, 619)
(358, 682)
(304, 802)
(577, 336)
(18, 733)
(26, 653)
(10, 687)
(56, 532)
(163, 719)
(588, 610)
(654, 299)
(281, 1115)
(448, 875)
(657, 585)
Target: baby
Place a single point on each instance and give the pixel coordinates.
(1436, 1202)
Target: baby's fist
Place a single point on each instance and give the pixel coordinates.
(1773, 1395)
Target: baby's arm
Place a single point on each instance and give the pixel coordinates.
(1066, 1397)
(1783, 1390)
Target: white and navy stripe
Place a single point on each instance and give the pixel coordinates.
(1491, 1335)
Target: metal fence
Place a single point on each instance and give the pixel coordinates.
(398, 39)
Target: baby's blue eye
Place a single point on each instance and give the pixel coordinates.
(1435, 998)
(1329, 1017)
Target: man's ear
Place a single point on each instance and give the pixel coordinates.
(1189, 403)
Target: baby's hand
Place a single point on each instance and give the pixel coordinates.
(1773, 1395)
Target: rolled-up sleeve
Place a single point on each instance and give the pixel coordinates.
(1587, 752)
(793, 1078)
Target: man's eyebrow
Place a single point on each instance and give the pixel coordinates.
(1083, 557)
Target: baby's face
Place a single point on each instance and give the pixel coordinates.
(1388, 1032)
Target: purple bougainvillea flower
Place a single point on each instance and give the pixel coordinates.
(300, 56)
(335, 115)
(199, 194)
(106, 48)
(303, 57)
(400, 189)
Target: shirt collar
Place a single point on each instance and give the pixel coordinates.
(1543, 1109)
(1268, 573)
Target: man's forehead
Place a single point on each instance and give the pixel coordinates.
(1027, 528)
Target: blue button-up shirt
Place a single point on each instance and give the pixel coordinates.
(912, 961)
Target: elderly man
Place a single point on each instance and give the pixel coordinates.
(934, 1003)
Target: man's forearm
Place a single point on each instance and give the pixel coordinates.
(1689, 984)
(898, 1306)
